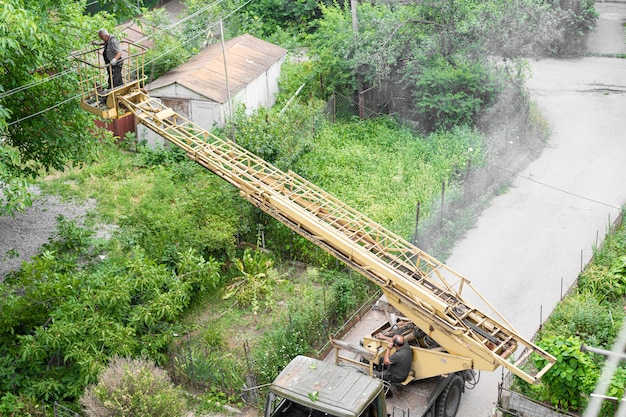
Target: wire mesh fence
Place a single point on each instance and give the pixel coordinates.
(61, 411)
(511, 403)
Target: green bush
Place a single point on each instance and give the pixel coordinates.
(256, 281)
(347, 293)
(123, 305)
(133, 388)
(296, 335)
(449, 94)
(572, 377)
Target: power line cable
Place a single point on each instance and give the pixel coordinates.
(44, 110)
(166, 29)
(555, 188)
(36, 83)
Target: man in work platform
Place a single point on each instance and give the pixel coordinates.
(112, 55)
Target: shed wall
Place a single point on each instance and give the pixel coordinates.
(260, 92)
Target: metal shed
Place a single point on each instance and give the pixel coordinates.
(200, 88)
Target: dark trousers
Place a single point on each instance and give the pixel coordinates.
(115, 75)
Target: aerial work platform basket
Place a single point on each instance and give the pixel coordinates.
(94, 75)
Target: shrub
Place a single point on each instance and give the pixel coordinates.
(573, 375)
(133, 388)
(258, 278)
(449, 94)
(347, 293)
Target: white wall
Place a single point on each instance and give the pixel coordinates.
(207, 114)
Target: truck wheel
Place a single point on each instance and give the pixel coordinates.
(448, 402)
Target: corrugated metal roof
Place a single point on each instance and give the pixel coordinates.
(247, 58)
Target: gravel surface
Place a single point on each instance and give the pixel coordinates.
(24, 233)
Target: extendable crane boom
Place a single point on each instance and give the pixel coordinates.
(425, 290)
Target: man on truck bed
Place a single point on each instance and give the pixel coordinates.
(396, 367)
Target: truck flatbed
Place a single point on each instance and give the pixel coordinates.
(416, 398)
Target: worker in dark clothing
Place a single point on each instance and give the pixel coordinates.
(112, 55)
(396, 367)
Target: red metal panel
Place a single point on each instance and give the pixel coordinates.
(119, 127)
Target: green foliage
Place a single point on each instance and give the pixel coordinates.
(584, 316)
(347, 293)
(297, 334)
(123, 10)
(279, 136)
(211, 368)
(450, 94)
(290, 245)
(384, 170)
(168, 51)
(41, 123)
(67, 317)
(258, 278)
(133, 388)
(605, 283)
(331, 46)
(309, 319)
(576, 19)
(573, 375)
(184, 209)
(213, 401)
(276, 14)
(14, 193)
(11, 405)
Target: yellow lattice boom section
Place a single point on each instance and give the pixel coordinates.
(426, 291)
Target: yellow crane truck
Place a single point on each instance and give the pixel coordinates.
(449, 337)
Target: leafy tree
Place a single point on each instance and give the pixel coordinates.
(280, 14)
(121, 9)
(41, 124)
(168, 51)
(448, 94)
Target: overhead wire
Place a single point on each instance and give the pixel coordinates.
(44, 110)
(166, 29)
(555, 188)
(63, 73)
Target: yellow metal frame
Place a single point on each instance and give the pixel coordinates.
(94, 74)
(426, 291)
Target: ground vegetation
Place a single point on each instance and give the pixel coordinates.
(198, 281)
(591, 314)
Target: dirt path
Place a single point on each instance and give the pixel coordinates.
(528, 246)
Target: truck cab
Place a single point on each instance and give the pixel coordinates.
(309, 387)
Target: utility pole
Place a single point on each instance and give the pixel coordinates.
(359, 77)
